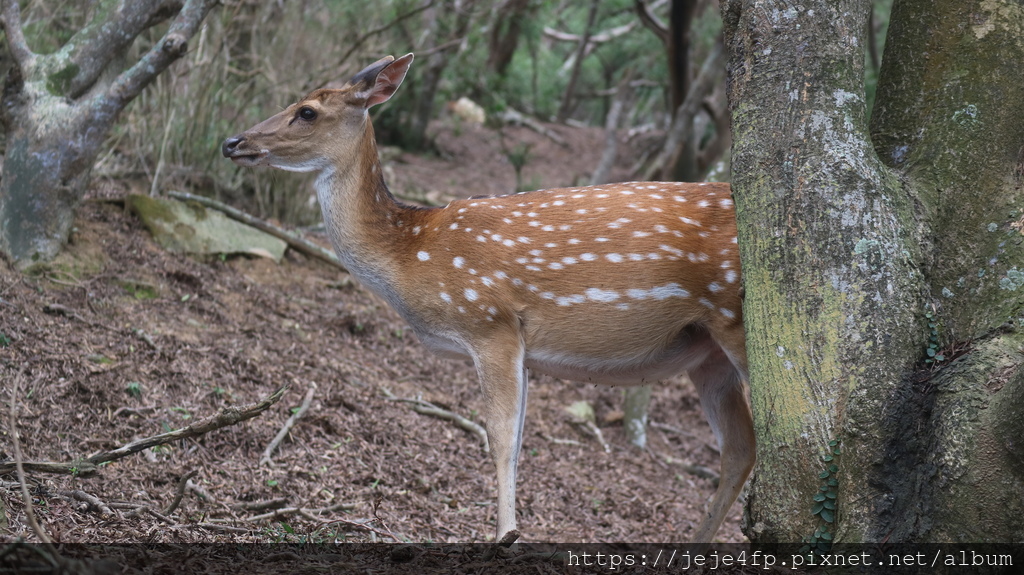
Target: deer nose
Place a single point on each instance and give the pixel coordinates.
(230, 146)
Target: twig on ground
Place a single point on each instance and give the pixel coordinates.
(510, 116)
(30, 514)
(215, 527)
(292, 239)
(558, 441)
(287, 427)
(693, 469)
(261, 505)
(286, 511)
(179, 492)
(426, 408)
(91, 500)
(365, 524)
(88, 466)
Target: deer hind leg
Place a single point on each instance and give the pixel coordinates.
(723, 397)
(503, 378)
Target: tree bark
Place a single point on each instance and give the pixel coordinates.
(57, 110)
(844, 250)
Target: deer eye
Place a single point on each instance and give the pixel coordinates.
(307, 113)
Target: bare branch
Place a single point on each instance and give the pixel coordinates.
(227, 416)
(171, 47)
(682, 124)
(598, 38)
(11, 21)
(291, 238)
(652, 22)
(114, 27)
(287, 427)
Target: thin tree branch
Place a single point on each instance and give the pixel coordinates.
(598, 38)
(652, 22)
(12, 427)
(287, 427)
(227, 416)
(683, 123)
(291, 238)
(171, 47)
(16, 44)
(114, 27)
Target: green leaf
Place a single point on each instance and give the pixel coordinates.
(818, 508)
(827, 458)
(823, 475)
(829, 504)
(819, 497)
(833, 443)
(832, 482)
(940, 357)
(828, 516)
(826, 535)
(831, 495)
(930, 351)
(833, 468)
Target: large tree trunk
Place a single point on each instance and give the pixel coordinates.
(57, 109)
(846, 250)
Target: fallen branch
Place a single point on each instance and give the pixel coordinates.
(291, 238)
(510, 116)
(90, 465)
(93, 502)
(287, 427)
(365, 525)
(286, 511)
(426, 408)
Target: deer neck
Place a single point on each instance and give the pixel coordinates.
(367, 226)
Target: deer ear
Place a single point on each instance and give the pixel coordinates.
(376, 83)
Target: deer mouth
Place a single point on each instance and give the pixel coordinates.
(247, 159)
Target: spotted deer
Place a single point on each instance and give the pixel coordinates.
(620, 284)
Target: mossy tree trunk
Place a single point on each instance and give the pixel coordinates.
(851, 238)
(58, 108)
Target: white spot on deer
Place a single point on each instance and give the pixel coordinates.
(536, 253)
(727, 313)
(602, 196)
(532, 214)
(706, 303)
(622, 306)
(471, 271)
(636, 257)
(614, 258)
(658, 292)
(726, 265)
(533, 268)
(506, 220)
(641, 234)
(674, 251)
(565, 227)
(578, 196)
(508, 243)
(474, 204)
(653, 256)
(688, 221)
(516, 214)
(588, 257)
(573, 241)
(523, 240)
(581, 211)
(657, 197)
(600, 295)
(618, 223)
(487, 281)
(551, 245)
(471, 294)
(715, 287)
(601, 240)
(730, 276)
(445, 297)
(500, 275)
(569, 261)
(703, 204)
(453, 227)
(423, 256)
(725, 203)
(661, 229)
(533, 224)
(555, 266)
(492, 310)
(458, 262)
(523, 261)
(462, 210)
(558, 203)
(496, 237)
(679, 198)
(733, 240)
(481, 239)
(547, 295)
(548, 228)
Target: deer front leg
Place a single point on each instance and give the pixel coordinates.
(499, 364)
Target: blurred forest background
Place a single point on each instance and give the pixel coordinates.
(624, 64)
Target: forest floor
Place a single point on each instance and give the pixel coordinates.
(119, 340)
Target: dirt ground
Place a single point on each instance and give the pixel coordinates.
(120, 340)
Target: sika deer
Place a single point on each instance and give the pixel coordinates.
(619, 284)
